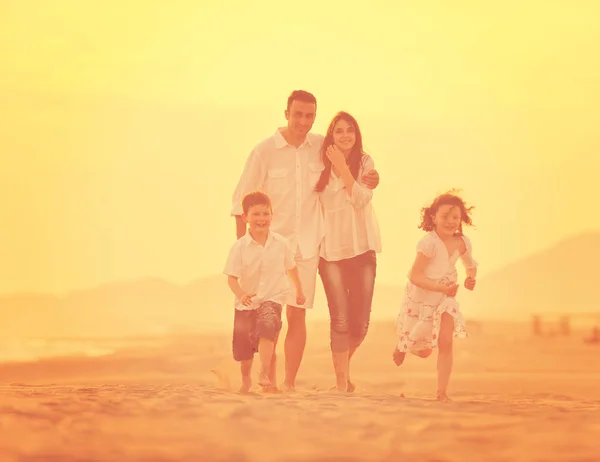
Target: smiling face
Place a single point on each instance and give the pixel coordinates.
(447, 220)
(259, 218)
(300, 116)
(344, 136)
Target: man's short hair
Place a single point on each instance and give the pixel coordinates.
(301, 95)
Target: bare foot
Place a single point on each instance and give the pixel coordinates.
(398, 357)
(246, 385)
(351, 387)
(443, 398)
(271, 389)
(288, 388)
(263, 380)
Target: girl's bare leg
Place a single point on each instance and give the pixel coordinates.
(445, 356)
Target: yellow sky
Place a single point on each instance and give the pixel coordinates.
(125, 124)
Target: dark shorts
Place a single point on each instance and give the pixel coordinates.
(250, 325)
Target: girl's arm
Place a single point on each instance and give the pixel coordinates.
(467, 258)
(418, 277)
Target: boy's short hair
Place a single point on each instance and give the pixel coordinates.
(255, 198)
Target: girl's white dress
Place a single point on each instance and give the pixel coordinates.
(419, 320)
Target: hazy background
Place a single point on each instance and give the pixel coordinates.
(125, 125)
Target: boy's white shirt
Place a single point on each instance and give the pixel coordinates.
(261, 269)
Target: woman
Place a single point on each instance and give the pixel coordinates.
(348, 263)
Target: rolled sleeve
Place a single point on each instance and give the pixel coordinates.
(361, 195)
(250, 180)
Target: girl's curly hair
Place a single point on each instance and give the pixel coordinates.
(449, 198)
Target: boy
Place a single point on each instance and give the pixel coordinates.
(256, 273)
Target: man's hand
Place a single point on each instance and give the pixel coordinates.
(371, 179)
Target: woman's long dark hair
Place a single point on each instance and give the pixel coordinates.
(354, 159)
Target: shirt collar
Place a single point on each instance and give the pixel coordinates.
(280, 141)
(247, 239)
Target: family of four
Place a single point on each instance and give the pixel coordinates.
(303, 206)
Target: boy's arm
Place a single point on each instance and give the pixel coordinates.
(234, 285)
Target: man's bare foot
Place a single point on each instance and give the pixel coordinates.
(398, 357)
(263, 379)
(443, 398)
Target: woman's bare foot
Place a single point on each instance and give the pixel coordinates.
(246, 385)
(287, 388)
(271, 389)
(351, 387)
(341, 383)
(398, 357)
(263, 379)
(443, 398)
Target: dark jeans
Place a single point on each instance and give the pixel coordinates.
(349, 286)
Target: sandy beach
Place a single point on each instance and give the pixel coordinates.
(516, 398)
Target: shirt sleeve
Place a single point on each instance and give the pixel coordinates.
(233, 266)
(426, 246)
(252, 179)
(467, 257)
(361, 195)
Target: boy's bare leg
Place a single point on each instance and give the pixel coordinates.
(246, 369)
(295, 342)
(273, 371)
(265, 353)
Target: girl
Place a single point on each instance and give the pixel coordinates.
(430, 316)
(348, 262)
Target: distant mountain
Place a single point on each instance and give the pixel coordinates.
(562, 278)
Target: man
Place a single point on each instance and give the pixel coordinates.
(287, 166)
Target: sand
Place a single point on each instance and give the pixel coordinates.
(516, 398)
